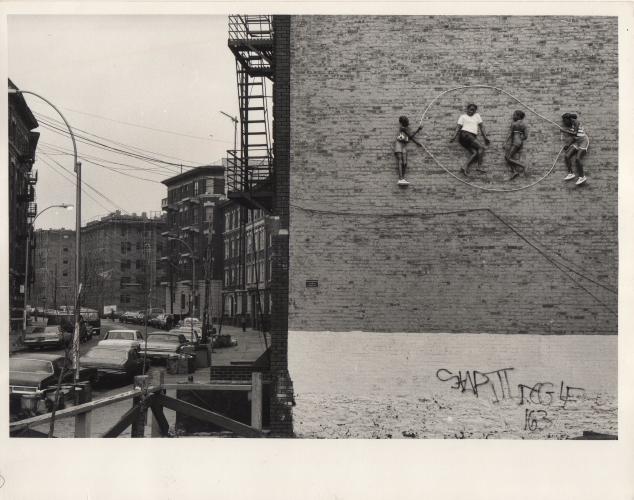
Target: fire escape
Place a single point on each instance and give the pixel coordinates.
(250, 168)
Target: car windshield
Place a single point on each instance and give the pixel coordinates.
(51, 329)
(121, 335)
(38, 329)
(163, 337)
(30, 365)
(107, 354)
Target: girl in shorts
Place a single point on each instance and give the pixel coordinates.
(400, 147)
(576, 148)
(469, 125)
(517, 137)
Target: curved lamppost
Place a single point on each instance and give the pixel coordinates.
(28, 248)
(77, 168)
(192, 309)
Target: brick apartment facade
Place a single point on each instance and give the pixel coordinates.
(192, 215)
(442, 256)
(53, 269)
(247, 267)
(22, 208)
(119, 262)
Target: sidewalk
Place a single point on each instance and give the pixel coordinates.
(250, 346)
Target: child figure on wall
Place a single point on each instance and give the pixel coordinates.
(575, 148)
(404, 137)
(469, 124)
(517, 136)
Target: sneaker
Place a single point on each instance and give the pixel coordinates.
(581, 180)
(403, 182)
(481, 170)
(569, 177)
(464, 172)
(514, 175)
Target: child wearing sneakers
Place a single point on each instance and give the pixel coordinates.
(400, 147)
(576, 147)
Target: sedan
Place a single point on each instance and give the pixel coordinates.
(47, 336)
(164, 345)
(116, 357)
(33, 381)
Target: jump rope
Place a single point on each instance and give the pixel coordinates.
(422, 144)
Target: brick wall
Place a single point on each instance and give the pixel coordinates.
(440, 255)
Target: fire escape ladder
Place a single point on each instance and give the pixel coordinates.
(250, 168)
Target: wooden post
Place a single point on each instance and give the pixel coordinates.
(82, 421)
(156, 428)
(138, 425)
(256, 400)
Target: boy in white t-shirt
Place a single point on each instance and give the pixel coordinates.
(469, 125)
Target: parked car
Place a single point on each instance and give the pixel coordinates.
(163, 345)
(47, 336)
(162, 321)
(124, 335)
(66, 321)
(128, 317)
(118, 357)
(33, 379)
(188, 331)
(93, 321)
(188, 322)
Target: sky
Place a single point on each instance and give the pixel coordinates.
(153, 84)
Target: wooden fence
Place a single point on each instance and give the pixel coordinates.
(144, 397)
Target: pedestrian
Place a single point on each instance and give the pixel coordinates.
(244, 323)
(575, 148)
(517, 136)
(469, 125)
(403, 138)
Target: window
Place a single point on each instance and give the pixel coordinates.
(182, 301)
(196, 187)
(65, 273)
(65, 261)
(124, 299)
(65, 249)
(138, 245)
(65, 236)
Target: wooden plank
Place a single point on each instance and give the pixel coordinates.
(256, 401)
(83, 420)
(124, 422)
(75, 410)
(206, 416)
(138, 424)
(160, 426)
(208, 387)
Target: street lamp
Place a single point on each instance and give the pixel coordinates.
(77, 168)
(28, 248)
(234, 119)
(192, 309)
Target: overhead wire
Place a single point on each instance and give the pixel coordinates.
(46, 119)
(180, 134)
(85, 140)
(84, 183)
(69, 178)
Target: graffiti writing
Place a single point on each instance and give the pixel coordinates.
(536, 420)
(497, 384)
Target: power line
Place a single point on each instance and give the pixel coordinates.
(46, 118)
(66, 152)
(146, 127)
(63, 174)
(90, 187)
(91, 142)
